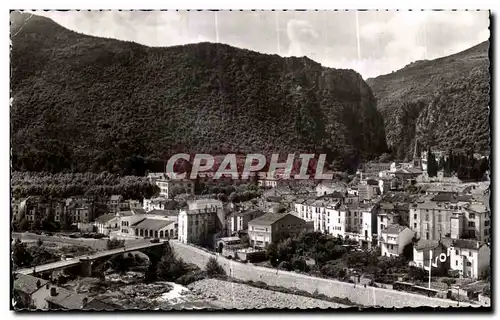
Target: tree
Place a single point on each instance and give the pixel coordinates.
(408, 252)
(214, 269)
(115, 244)
(24, 224)
(432, 164)
(20, 254)
(39, 242)
(449, 282)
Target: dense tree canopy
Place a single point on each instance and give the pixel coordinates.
(82, 103)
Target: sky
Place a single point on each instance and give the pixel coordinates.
(371, 42)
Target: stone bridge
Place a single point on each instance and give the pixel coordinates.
(154, 251)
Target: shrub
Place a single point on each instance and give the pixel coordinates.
(214, 269)
(191, 277)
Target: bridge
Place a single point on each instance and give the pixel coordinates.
(87, 260)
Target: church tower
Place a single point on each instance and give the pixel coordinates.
(417, 156)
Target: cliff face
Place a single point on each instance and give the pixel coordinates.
(83, 103)
(444, 103)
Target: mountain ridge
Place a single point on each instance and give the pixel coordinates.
(84, 103)
(443, 103)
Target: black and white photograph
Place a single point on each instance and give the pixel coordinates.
(250, 159)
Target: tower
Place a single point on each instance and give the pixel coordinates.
(417, 159)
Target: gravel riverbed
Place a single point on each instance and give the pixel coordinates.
(229, 295)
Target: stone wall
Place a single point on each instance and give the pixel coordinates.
(366, 296)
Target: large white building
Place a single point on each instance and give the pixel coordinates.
(393, 240)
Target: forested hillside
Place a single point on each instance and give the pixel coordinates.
(83, 103)
(444, 103)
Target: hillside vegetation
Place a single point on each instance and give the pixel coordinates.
(82, 103)
(444, 103)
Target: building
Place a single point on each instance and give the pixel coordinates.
(205, 203)
(30, 292)
(422, 254)
(169, 188)
(238, 221)
(392, 213)
(159, 203)
(40, 294)
(471, 258)
(155, 228)
(127, 219)
(368, 189)
(451, 215)
(107, 223)
(376, 167)
(272, 227)
(198, 226)
(327, 188)
(393, 240)
(116, 203)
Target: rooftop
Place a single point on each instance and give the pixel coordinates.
(27, 283)
(105, 218)
(165, 213)
(466, 244)
(152, 224)
(68, 299)
(268, 218)
(394, 229)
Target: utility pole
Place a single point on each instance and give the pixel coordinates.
(430, 267)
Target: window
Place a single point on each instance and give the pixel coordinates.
(415, 216)
(456, 262)
(427, 235)
(485, 232)
(472, 224)
(486, 223)
(426, 217)
(456, 252)
(339, 220)
(472, 216)
(469, 264)
(439, 218)
(470, 253)
(414, 225)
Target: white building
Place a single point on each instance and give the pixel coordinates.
(198, 225)
(107, 223)
(471, 258)
(394, 239)
(169, 187)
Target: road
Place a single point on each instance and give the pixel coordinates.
(368, 296)
(75, 261)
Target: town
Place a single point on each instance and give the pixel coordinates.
(410, 227)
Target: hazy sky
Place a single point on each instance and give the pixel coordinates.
(370, 42)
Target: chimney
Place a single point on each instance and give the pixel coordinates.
(53, 291)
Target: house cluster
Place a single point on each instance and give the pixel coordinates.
(35, 293)
(72, 210)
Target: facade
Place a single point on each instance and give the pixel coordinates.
(238, 221)
(271, 227)
(169, 187)
(422, 254)
(471, 258)
(158, 203)
(198, 225)
(393, 240)
(107, 223)
(155, 228)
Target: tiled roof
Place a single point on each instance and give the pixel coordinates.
(394, 229)
(152, 224)
(423, 244)
(105, 218)
(98, 305)
(165, 213)
(466, 244)
(27, 283)
(268, 218)
(68, 299)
